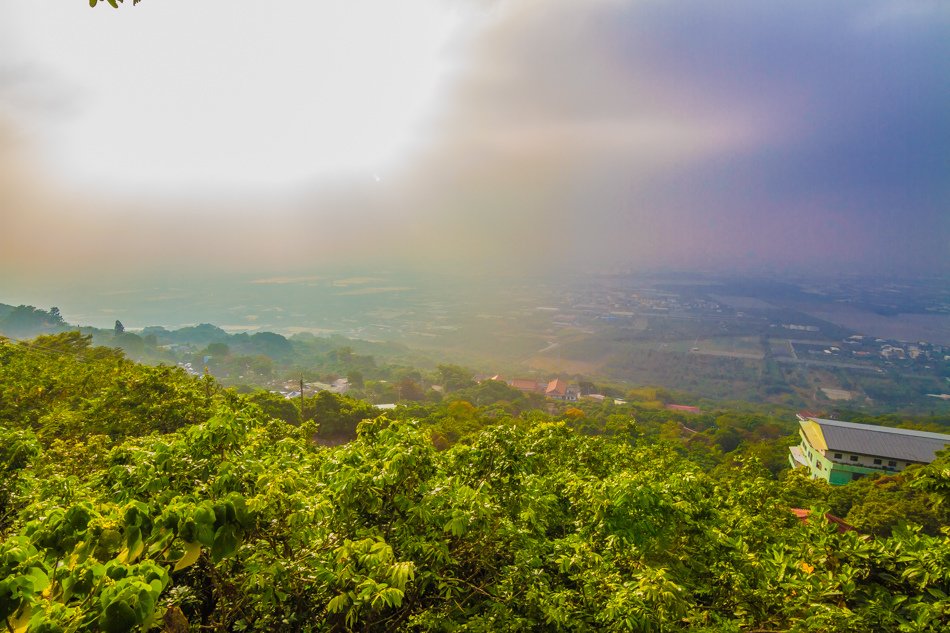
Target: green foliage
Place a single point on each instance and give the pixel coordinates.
(18, 449)
(26, 320)
(277, 406)
(218, 349)
(62, 387)
(934, 479)
(881, 503)
(493, 392)
(454, 378)
(205, 506)
(338, 416)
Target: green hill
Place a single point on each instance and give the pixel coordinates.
(140, 497)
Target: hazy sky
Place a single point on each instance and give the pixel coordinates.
(489, 134)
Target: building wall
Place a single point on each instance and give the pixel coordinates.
(845, 473)
(819, 467)
(868, 461)
(837, 471)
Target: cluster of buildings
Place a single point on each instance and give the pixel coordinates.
(556, 389)
(871, 349)
(841, 452)
(189, 369)
(863, 346)
(559, 389)
(292, 389)
(617, 304)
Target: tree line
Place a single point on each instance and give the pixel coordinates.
(141, 497)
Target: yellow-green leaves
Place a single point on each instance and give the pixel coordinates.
(192, 552)
(131, 600)
(401, 573)
(21, 623)
(134, 546)
(236, 519)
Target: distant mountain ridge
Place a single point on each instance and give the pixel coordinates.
(158, 344)
(25, 321)
(28, 321)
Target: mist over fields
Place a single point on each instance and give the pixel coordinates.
(512, 138)
(620, 189)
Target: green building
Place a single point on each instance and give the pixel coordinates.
(839, 452)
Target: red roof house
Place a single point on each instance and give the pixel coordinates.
(684, 408)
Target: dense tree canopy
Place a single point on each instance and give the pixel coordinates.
(138, 496)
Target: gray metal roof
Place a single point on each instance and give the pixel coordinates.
(882, 441)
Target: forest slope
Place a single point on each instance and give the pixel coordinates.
(135, 496)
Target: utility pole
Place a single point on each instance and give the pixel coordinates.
(301, 400)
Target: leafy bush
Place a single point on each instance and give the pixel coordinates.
(196, 507)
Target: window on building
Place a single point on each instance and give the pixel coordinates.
(892, 463)
(853, 458)
(877, 462)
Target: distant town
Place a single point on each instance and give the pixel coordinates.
(798, 342)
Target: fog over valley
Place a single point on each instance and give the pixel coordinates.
(491, 137)
(484, 180)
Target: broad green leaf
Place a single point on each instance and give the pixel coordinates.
(134, 547)
(118, 617)
(225, 543)
(39, 578)
(192, 552)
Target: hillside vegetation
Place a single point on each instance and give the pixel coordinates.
(140, 497)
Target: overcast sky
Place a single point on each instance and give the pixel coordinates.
(497, 134)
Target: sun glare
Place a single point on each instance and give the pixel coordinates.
(221, 99)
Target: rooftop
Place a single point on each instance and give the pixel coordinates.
(683, 407)
(882, 441)
(556, 387)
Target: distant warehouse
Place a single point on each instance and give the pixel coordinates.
(839, 452)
